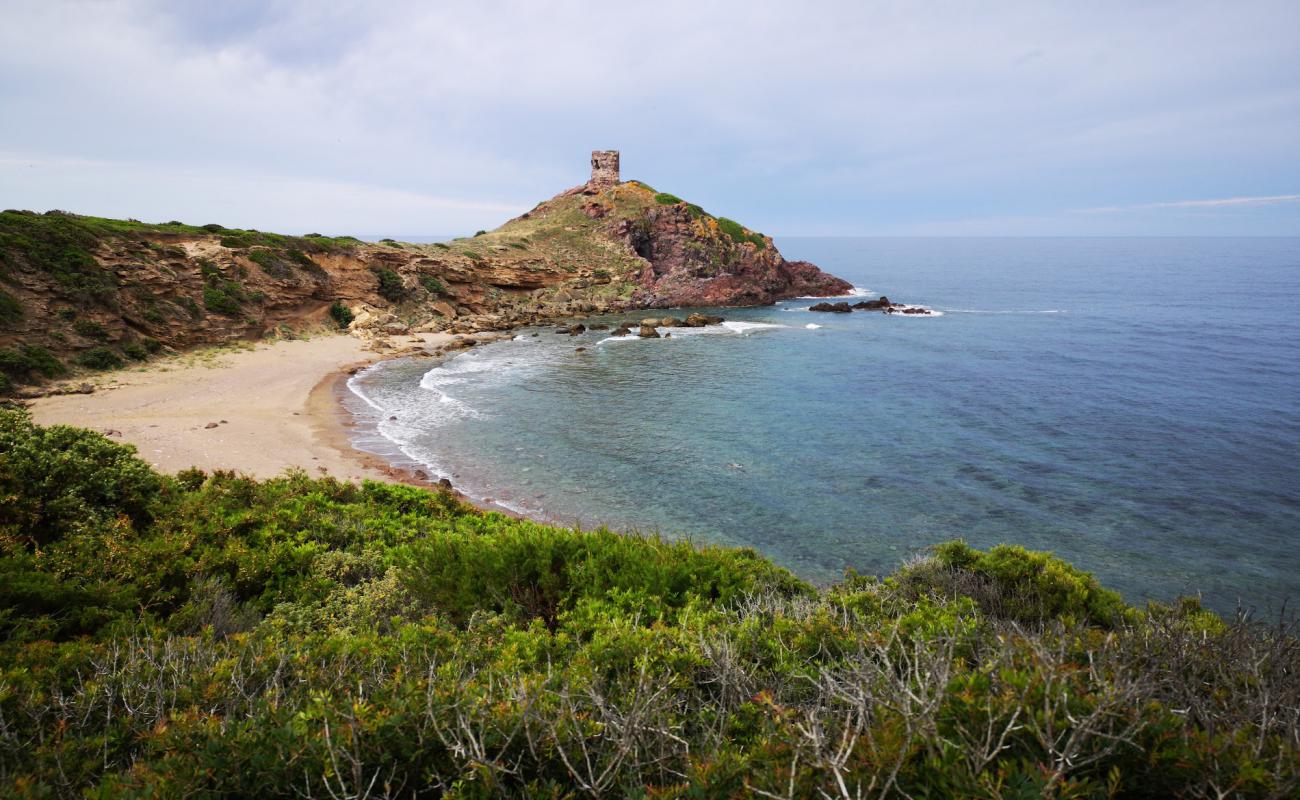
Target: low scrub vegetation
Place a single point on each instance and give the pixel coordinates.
(100, 358)
(11, 310)
(211, 635)
(433, 285)
(341, 314)
(391, 287)
(738, 233)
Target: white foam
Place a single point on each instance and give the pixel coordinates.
(1010, 311)
(743, 328)
(856, 291)
(812, 326)
(632, 337)
(929, 312)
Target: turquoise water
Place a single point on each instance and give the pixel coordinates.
(1130, 404)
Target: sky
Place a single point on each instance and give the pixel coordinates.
(800, 118)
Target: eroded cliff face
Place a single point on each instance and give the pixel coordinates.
(685, 256)
(97, 293)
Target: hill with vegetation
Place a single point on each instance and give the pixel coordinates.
(85, 293)
(209, 635)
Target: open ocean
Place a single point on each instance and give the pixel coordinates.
(1132, 405)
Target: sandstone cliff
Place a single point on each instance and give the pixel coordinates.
(96, 293)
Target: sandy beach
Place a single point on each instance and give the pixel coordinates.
(273, 404)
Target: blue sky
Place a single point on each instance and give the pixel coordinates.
(799, 118)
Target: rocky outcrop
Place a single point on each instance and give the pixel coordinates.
(83, 291)
(692, 259)
(834, 308)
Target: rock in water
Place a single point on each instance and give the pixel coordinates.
(648, 332)
(835, 308)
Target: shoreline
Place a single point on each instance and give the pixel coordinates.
(258, 409)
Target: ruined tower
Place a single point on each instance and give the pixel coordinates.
(604, 168)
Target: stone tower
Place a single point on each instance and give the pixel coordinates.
(604, 167)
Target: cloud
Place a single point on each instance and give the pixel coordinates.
(832, 115)
(1222, 202)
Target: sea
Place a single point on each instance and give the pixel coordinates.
(1129, 404)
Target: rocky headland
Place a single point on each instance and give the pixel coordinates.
(81, 293)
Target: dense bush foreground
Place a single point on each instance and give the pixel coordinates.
(215, 636)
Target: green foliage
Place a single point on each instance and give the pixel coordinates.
(28, 361)
(59, 245)
(218, 300)
(89, 329)
(99, 358)
(391, 287)
(60, 480)
(665, 199)
(11, 310)
(136, 351)
(341, 314)
(432, 285)
(270, 263)
(219, 636)
(1012, 583)
(480, 233)
(473, 256)
(738, 233)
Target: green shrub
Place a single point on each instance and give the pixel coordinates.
(219, 300)
(473, 256)
(21, 363)
(479, 233)
(10, 309)
(1012, 583)
(213, 227)
(432, 285)
(43, 361)
(136, 351)
(99, 358)
(89, 329)
(270, 263)
(218, 636)
(391, 287)
(191, 306)
(665, 199)
(60, 245)
(61, 479)
(341, 314)
(737, 233)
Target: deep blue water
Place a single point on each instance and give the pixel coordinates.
(1130, 404)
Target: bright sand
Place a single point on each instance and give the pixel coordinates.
(274, 404)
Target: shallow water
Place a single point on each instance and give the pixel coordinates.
(1131, 404)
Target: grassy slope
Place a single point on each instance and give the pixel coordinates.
(213, 636)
